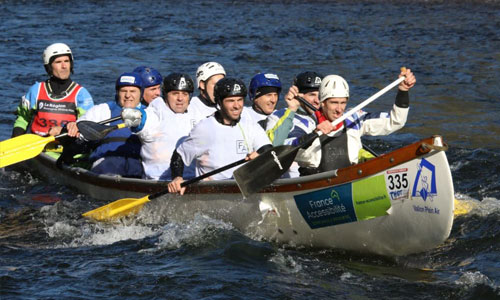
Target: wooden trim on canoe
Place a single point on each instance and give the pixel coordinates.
(316, 181)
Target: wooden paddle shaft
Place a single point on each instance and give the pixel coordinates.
(367, 101)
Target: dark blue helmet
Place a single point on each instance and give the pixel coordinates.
(259, 83)
(150, 76)
(129, 79)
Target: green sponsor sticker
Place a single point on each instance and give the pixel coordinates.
(370, 198)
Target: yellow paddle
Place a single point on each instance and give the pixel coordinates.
(462, 208)
(29, 145)
(129, 206)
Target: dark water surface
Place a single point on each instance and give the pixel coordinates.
(453, 47)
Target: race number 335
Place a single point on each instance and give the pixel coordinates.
(397, 181)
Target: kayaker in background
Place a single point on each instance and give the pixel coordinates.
(151, 80)
(51, 104)
(340, 145)
(119, 152)
(220, 139)
(263, 91)
(165, 125)
(207, 76)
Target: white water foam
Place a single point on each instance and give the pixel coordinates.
(286, 263)
(194, 233)
(482, 208)
(471, 279)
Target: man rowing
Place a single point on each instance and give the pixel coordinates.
(340, 145)
(51, 104)
(220, 139)
(287, 124)
(119, 152)
(297, 119)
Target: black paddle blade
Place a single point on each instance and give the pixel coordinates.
(264, 169)
(92, 131)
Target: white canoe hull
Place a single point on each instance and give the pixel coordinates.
(411, 190)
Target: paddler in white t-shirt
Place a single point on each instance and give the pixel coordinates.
(165, 125)
(207, 76)
(220, 139)
(263, 91)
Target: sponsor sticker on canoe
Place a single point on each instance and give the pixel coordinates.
(350, 202)
(425, 181)
(425, 187)
(397, 183)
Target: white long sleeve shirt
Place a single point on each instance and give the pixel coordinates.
(163, 131)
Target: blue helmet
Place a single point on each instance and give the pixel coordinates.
(150, 76)
(129, 79)
(261, 81)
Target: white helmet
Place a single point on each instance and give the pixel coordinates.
(333, 86)
(207, 70)
(56, 50)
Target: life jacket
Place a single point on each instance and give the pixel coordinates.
(52, 112)
(334, 154)
(119, 142)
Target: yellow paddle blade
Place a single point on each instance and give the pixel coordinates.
(117, 209)
(22, 148)
(462, 208)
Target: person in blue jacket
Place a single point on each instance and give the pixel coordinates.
(119, 152)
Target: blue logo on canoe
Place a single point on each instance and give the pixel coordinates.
(327, 207)
(425, 181)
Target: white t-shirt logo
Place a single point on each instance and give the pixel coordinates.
(241, 148)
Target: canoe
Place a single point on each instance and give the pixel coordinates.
(399, 203)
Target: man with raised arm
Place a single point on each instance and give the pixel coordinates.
(297, 119)
(340, 145)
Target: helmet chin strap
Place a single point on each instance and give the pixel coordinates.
(206, 99)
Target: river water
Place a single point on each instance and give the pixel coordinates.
(47, 251)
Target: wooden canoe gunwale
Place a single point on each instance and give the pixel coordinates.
(140, 186)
